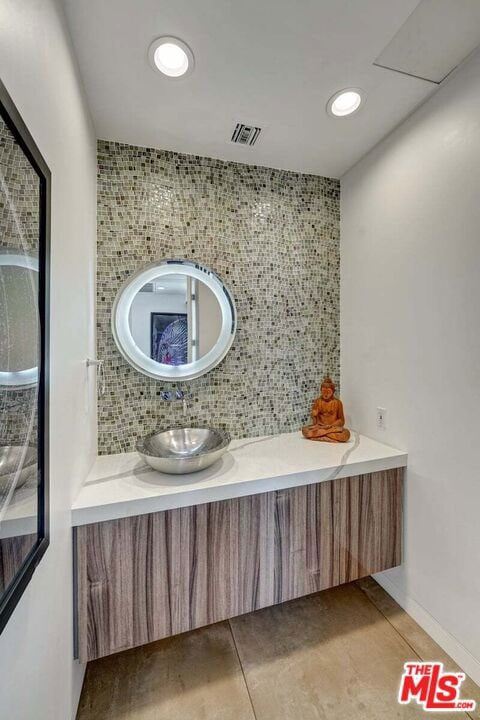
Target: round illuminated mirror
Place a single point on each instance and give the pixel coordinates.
(19, 328)
(174, 320)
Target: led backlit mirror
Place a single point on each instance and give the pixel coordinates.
(174, 320)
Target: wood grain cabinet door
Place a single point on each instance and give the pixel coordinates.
(150, 576)
(335, 532)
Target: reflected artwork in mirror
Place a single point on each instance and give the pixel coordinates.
(174, 320)
(24, 234)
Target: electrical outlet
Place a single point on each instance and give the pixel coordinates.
(381, 418)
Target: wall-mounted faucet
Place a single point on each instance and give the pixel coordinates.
(175, 396)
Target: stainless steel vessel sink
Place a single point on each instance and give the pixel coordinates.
(183, 450)
(16, 459)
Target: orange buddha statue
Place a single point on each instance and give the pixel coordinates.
(327, 416)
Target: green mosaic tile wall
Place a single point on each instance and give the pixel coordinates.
(272, 236)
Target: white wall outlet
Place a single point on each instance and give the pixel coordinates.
(381, 418)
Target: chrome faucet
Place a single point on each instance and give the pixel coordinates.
(177, 396)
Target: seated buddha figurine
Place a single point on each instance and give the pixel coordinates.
(327, 416)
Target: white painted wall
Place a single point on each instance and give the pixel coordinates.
(38, 678)
(209, 319)
(140, 314)
(410, 342)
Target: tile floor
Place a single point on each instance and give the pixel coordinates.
(334, 655)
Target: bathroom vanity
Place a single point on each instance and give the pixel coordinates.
(277, 518)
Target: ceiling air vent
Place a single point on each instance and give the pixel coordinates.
(246, 134)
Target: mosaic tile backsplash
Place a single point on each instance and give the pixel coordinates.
(273, 238)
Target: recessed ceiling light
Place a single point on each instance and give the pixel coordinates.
(171, 57)
(345, 102)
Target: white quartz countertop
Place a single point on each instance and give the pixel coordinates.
(123, 485)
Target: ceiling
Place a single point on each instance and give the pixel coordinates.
(270, 63)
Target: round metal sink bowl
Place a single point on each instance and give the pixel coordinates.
(13, 457)
(183, 450)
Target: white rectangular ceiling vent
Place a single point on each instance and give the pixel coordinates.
(246, 134)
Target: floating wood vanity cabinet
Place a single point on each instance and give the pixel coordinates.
(145, 577)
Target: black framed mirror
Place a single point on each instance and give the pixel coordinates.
(24, 314)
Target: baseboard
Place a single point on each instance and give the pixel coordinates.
(447, 642)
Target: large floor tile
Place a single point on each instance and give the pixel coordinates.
(329, 656)
(424, 646)
(195, 676)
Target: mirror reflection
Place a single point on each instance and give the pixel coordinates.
(19, 356)
(175, 319)
(19, 326)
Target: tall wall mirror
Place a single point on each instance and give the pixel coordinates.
(24, 262)
(174, 320)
